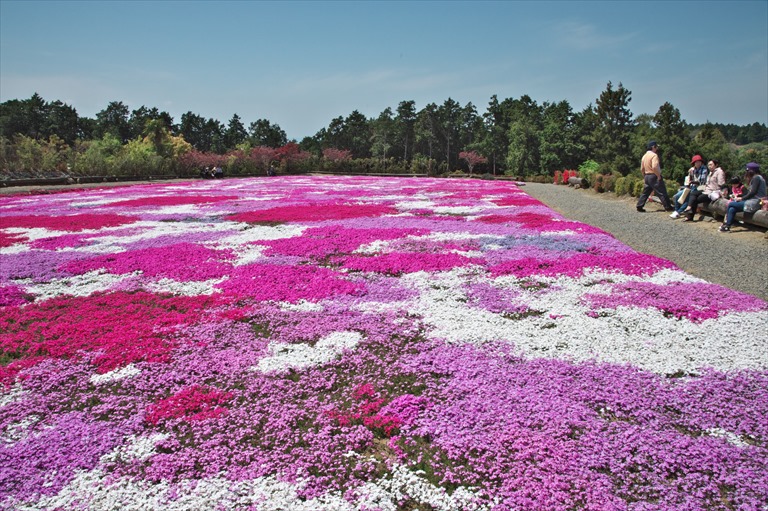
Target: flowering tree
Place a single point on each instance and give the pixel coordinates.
(472, 159)
(333, 154)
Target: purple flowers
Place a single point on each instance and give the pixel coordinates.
(361, 343)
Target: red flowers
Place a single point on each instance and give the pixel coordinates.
(194, 403)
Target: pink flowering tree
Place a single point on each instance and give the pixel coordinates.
(472, 159)
(333, 154)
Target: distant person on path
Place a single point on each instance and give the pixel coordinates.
(756, 191)
(696, 178)
(651, 170)
(711, 192)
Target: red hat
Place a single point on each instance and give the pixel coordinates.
(696, 158)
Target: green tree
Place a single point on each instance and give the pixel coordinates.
(426, 130)
(710, 143)
(585, 126)
(383, 134)
(524, 152)
(495, 141)
(558, 146)
(263, 133)
(142, 115)
(113, 120)
(357, 132)
(450, 116)
(235, 133)
(614, 129)
(405, 123)
(674, 142)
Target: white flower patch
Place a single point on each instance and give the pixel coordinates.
(415, 204)
(16, 248)
(151, 230)
(263, 494)
(35, 233)
(728, 436)
(14, 394)
(374, 247)
(192, 288)
(76, 285)
(301, 306)
(382, 307)
(387, 493)
(96, 202)
(17, 431)
(245, 234)
(115, 375)
(458, 210)
(181, 209)
(136, 448)
(298, 356)
(643, 337)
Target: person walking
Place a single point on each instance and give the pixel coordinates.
(651, 169)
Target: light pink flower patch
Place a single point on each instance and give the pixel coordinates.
(172, 200)
(71, 223)
(517, 199)
(264, 282)
(182, 262)
(320, 242)
(314, 212)
(573, 266)
(397, 263)
(703, 300)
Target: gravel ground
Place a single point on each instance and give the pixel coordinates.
(737, 260)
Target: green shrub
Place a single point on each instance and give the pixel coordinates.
(597, 185)
(589, 171)
(637, 188)
(609, 182)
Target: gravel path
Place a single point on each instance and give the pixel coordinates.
(737, 260)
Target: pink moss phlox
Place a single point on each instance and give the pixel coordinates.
(8, 240)
(172, 200)
(517, 199)
(11, 295)
(494, 299)
(193, 403)
(703, 300)
(368, 410)
(119, 327)
(314, 212)
(628, 263)
(70, 223)
(319, 242)
(396, 263)
(182, 261)
(287, 283)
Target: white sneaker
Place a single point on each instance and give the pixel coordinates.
(674, 214)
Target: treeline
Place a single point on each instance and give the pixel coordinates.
(518, 137)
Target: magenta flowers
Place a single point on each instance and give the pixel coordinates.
(356, 343)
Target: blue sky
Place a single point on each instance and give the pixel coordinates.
(300, 64)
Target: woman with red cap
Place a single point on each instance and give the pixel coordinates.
(697, 176)
(710, 192)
